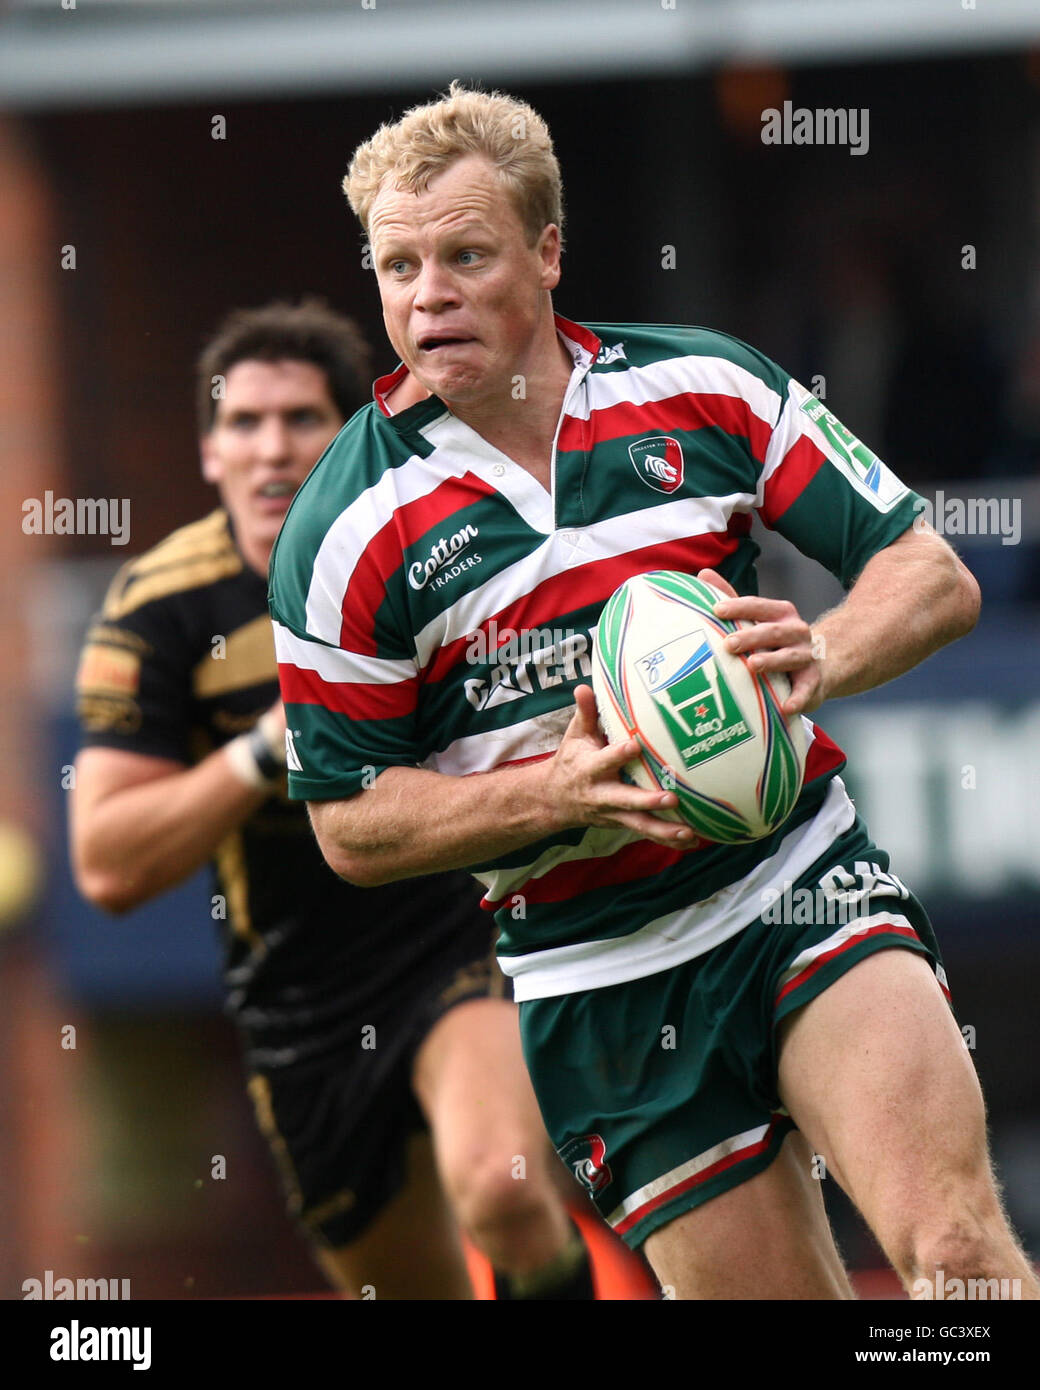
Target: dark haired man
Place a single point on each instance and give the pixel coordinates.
(366, 1017)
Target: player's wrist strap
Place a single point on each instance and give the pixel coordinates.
(254, 761)
(267, 761)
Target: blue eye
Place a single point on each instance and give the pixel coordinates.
(474, 254)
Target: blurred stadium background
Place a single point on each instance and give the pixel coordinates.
(840, 266)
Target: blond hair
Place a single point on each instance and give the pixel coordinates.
(427, 139)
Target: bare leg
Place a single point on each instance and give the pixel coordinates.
(876, 1075)
(492, 1151)
(769, 1238)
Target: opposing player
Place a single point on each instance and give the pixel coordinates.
(362, 1013)
(434, 590)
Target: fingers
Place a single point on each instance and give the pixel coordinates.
(584, 726)
(806, 691)
(791, 658)
(589, 778)
(776, 637)
(586, 714)
(714, 578)
(755, 609)
(670, 834)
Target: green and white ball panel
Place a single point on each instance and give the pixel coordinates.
(710, 728)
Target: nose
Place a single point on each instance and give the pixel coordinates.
(273, 444)
(435, 288)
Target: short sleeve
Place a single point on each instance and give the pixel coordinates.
(826, 492)
(132, 684)
(349, 715)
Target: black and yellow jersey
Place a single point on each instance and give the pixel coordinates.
(180, 660)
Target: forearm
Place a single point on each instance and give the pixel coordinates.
(909, 601)
(413, 822)
(137, 841)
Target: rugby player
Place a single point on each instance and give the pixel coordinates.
(496, 486)
(365, 1016)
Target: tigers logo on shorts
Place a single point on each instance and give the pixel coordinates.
(586, 1158)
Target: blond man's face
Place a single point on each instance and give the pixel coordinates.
(465, 296)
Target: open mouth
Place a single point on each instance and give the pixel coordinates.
(434, 343)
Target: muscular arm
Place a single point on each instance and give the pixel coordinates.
(140, 824)
(416, 822)
(911, 598)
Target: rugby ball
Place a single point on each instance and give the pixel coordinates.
(709, 727)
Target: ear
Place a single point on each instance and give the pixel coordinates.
(212, 467)
(550, 251)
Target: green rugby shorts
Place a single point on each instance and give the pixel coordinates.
(662, 1092)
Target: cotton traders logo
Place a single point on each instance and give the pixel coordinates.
(586, 1158)
(695, 700)
(658, 461)
(444, 552)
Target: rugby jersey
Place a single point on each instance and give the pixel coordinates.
(434, 606)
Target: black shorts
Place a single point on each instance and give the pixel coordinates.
(338, 1125)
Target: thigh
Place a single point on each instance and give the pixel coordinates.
(769, 1238)
(471, 1082)
(875, 1073)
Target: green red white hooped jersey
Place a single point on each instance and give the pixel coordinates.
(434, 606)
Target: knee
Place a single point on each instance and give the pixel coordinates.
(962, 1246)
(954, 1246)
(495, 1190)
